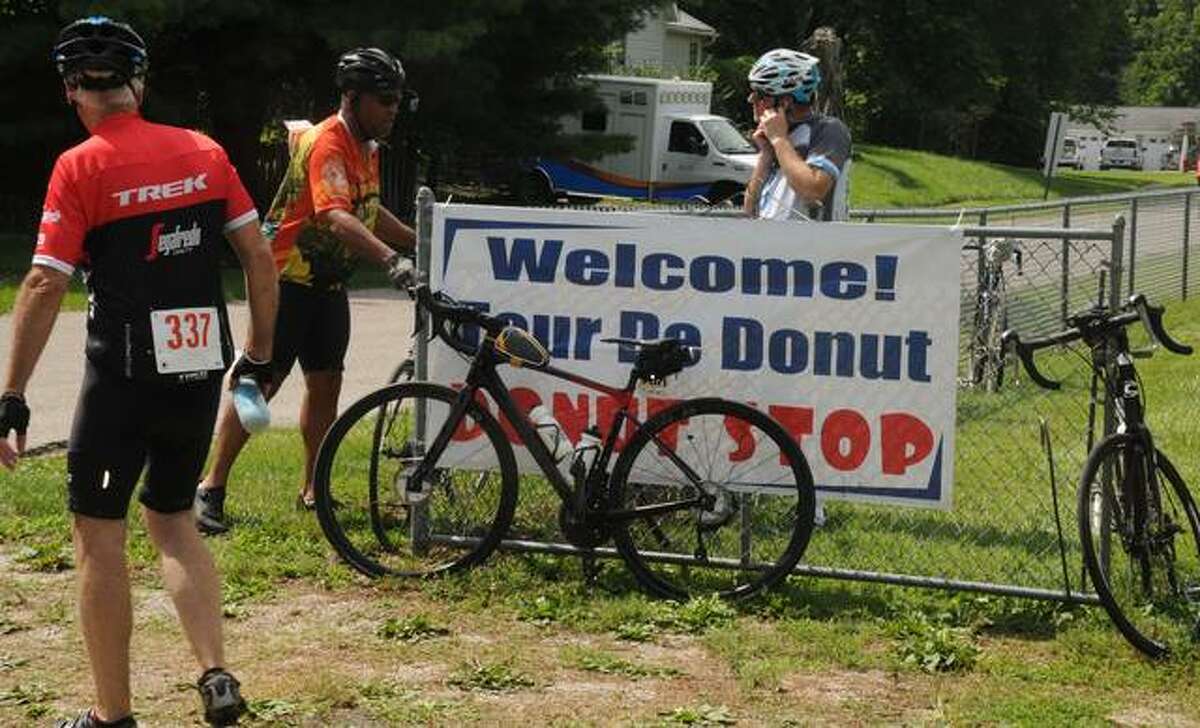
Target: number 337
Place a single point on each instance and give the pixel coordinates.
(189, 330)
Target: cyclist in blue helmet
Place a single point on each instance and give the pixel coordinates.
(802, 154)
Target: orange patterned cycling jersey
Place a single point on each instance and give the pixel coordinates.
(329, 170)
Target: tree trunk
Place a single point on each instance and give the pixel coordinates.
(825, 44)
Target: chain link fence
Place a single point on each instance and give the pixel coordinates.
(1159, 239)
(1012, 529)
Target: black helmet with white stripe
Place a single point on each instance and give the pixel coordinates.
(369, 69)
(112, 51)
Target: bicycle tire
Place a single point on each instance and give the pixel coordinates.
(1170, 572)
(403, 372)
(782, 520)
(981, 320)
(464, 528)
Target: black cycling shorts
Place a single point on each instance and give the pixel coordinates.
(313, 325)
(122, 427)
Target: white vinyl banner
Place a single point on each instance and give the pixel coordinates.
(847, 334)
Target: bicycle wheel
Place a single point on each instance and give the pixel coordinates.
(402, 373)
(993, 368)
(1147, 578)
(362, 473)
(980, 333)
(761, 514)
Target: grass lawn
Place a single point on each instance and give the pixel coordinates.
(524, 641)
(887, 177)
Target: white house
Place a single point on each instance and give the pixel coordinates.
(1160, 130)
(669, 40)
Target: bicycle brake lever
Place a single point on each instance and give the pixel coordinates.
(1151, 317)
(1010, 339)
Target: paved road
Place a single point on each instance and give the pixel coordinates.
(381, 324)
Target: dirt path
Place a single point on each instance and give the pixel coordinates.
(302, 668)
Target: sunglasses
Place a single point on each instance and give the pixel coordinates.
(387, 98)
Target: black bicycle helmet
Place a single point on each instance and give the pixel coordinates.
(369, 69)
(99, 43)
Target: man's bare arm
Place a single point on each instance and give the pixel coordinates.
(34, 314)
(808, 182)
(357, 236)
(262, 288)
(390, 230)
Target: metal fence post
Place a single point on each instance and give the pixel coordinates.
(1133, 228)
(424, 218)
(1065, 282)
(1187, 234)
(1118, 252)
(419, 515)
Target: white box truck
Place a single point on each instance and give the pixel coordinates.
(680, 150)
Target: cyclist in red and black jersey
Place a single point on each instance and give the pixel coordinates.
(141, 209)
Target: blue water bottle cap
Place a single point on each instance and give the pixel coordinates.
(251, 406)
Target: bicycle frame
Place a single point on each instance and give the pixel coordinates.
(482, 375)
(1112, 356)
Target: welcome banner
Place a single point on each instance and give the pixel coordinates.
(845, 334)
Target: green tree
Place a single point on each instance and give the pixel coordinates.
(974, 78)
(1166, 67)
(494, 75)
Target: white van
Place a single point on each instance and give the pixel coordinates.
(680, 150)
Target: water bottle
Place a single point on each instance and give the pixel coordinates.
(250, 405)
(551, 434)
(585, 454)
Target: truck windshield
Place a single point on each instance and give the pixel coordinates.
(726, 138)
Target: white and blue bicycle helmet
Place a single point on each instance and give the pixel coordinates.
(783, 71)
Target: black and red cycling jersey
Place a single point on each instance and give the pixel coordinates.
(142, 208)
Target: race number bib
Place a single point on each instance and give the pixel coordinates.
(186, 339)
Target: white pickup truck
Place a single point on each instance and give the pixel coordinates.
(1121, 152)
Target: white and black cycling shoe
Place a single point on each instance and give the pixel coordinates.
(209, 509)
(87, 719)
(222, 696)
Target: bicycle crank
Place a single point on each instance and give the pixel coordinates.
(586, 533)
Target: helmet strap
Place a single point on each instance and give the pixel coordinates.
(356, 128)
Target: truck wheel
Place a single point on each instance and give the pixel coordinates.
(533, 188)
(722, 191)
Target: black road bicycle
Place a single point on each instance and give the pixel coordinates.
(705, 495)
(1138, 524)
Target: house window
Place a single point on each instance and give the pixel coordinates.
(693, 54)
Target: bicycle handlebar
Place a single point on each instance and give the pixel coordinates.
(445, 310)
(1092, 327)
